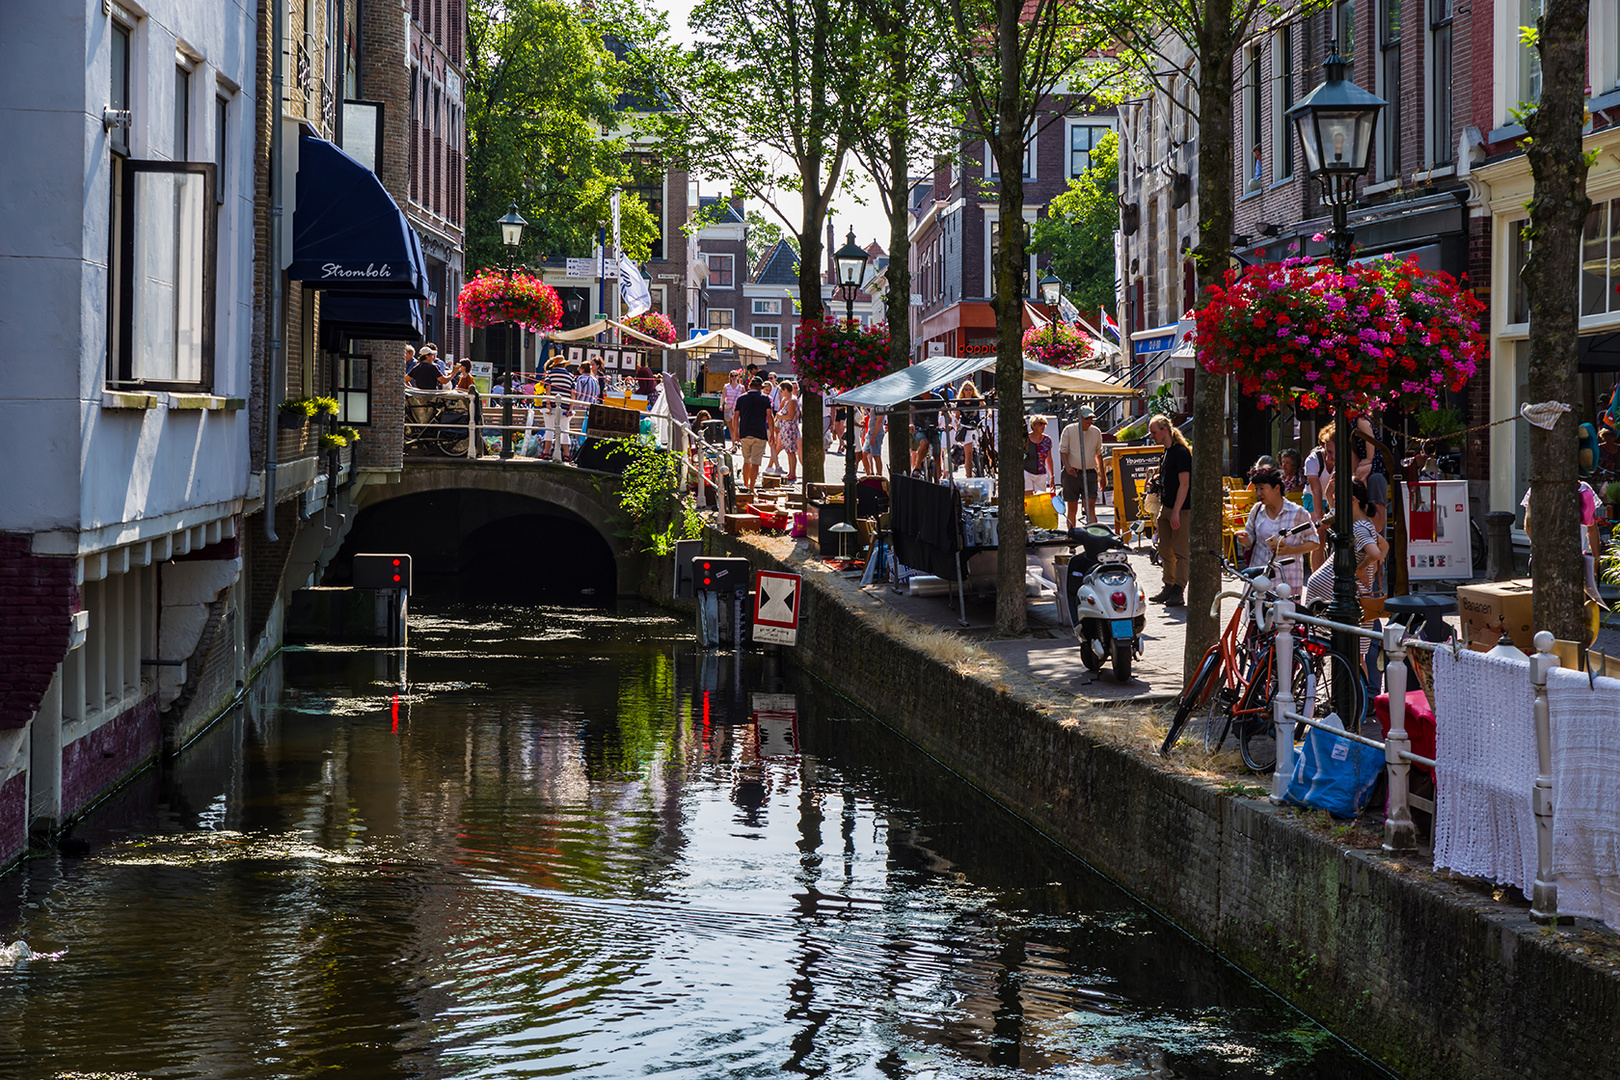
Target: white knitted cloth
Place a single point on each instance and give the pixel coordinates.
(1586, 793)
(1485, 746)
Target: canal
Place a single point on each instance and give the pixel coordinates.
(559, 841)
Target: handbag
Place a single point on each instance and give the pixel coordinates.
(1372, 607)
(1333, 774)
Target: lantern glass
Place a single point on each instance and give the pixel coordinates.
(512, 227)
(1051, 290)
(851, 261)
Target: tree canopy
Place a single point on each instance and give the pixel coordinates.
(545, 97)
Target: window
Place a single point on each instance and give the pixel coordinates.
(1600, 260)
(1441, 144)
(162, 274)
(1251, 118)
(720, 318)
(1029, 160)
(722, 274)
(1530, 12)
(771, 332)
(182, 114)
(351, 385)
(1518, 254)
(1344, 26)
(118, 92)
(763, 306)
(1389, 86)
(993, 223)
(1282, 138)
(1083, 140)
(222, 112)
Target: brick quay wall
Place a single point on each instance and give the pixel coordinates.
(1430, 977)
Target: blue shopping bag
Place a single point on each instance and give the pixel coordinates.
(1333, 774)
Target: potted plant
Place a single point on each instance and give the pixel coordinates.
(294, 413)
(1057, 345)
(492, 298)
(654, 324)
(839, 355)
(327, 405)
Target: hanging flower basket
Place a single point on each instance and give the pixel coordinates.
(839, 355)
(492, 298)
(654, 324)
(1377, 333)
(1058, 345)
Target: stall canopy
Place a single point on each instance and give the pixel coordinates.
(348, 234)
(602, 326)
(936, 371)
(728, 338)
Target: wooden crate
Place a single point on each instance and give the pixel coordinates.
(742, 523)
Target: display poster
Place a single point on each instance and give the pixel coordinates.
(610, 359)
(483, 377)
(1130, 464)
(1437, 538)
(629, 360)
(576, 354)
(593, 356)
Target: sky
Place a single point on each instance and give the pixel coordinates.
(868, 220)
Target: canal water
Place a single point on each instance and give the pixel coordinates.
(561, 842)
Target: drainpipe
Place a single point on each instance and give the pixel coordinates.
(274, 376)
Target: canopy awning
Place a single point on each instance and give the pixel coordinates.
(348, 234)
(374, 318)
(729, 338)
(936, 371)
(602, 326)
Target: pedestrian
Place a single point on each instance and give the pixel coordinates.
(787, 429)
(560, 388)
(1368, 548)
(728, 404)
(924, 429)
(754, 429)
(1080, 458)
(1038, 458)
(1293, 472)
(587, 387)
(425, 374)
(1270, 517)
(872, 447)
(773, 390)
(970, 422)
(1319, 488)
(646, 381)
(1173, 530)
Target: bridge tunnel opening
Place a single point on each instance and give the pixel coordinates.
(486, 546)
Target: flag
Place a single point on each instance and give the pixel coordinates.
(633, 288)
(1067, 310)
(1109, 324)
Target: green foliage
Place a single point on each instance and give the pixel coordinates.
(1438, 422)
(333, 442)
(1078, 230)
(1609, 561)
(542, 93)
(349, 434)
(303, 406)
(763, 234)
(327, 405)
(654, 513)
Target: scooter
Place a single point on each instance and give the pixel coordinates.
(1105, 601)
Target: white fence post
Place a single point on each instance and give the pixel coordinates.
(1282, 702)
(1544, 894)
(1400, 833)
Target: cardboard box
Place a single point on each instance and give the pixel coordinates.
(1487, 610)
(741, 523)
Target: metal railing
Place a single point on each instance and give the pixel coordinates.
(1400, 832)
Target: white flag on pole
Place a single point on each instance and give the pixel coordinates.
(633, 288)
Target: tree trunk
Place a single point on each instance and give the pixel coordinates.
(1012, 613)
(813, 450)
(1214, 252)
(1558, 211)
(899, 303)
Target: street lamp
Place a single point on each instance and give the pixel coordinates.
(851, 262)
(1051, 290)
(1336, 122)
(511, 236)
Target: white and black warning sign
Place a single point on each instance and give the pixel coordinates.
(776, 607)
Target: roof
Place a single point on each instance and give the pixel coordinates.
(729, 216)
(780, 266)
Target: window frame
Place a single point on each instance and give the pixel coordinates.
(120, 90)
(1282, 99)
(121, 281)
(772, 305)
(346, 384)
(993, 172)
(730, 270)
(771, 332)
(730, 322)
(1253, 123)
(1068, 142)
(1390, 38)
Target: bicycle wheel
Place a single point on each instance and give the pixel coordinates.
(1257, 730)
(1198, 690)
(1217, 721)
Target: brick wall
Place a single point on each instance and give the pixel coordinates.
(37, 601)
(264, 563)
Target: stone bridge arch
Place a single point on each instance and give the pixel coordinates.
(590, 497)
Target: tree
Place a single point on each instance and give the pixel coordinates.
(1012, 58)
(541, 89)
(1558, 209)
(1199, 40)
(1078, 230)
(766, 105)
(762, 234)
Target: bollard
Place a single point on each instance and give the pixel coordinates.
(1400, 833)
(1544, 894)
(1499, 545)
(1282, 702)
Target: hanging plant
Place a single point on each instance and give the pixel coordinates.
(492, 298)
(839, 355)
(1058, 345)
(655, 324)
(1377, 333)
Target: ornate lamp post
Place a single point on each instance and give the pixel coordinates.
(851, 263)
(1336, 122)
(1051, 290)
(511, 236)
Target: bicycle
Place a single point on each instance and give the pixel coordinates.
(426, 431)
(1234, 682)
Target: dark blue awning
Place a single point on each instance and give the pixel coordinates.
(348, 234)
(374, 318)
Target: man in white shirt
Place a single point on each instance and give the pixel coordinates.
(1080, 458)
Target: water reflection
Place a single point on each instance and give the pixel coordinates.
(568, 843)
